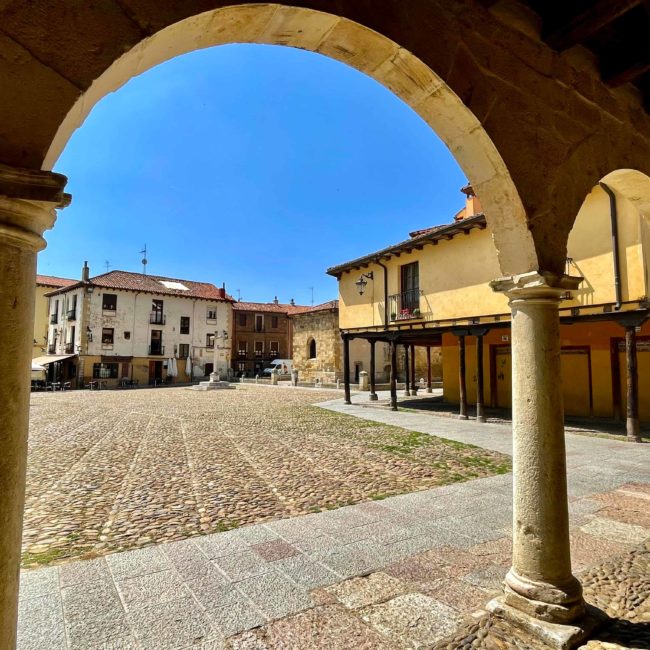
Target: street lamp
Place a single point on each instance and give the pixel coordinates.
(362, 282)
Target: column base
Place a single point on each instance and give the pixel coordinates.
(373, 397)
(560, 636)
(407, 393)
(633, 429)
(429, 390)
(462, 416)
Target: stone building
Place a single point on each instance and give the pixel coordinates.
(123, 326)
(538, 102)
(317, 344)
(261, 332)
(44, 284)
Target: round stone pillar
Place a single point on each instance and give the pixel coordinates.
(540, 590)
(27, 203)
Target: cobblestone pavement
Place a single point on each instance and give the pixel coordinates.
(399, 573)
(111, 470)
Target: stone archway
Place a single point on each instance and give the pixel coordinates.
(362, 48)
(532, 130)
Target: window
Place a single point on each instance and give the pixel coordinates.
(275, 349)
(209, 340)
(127, 336)
(211, 314)
(185, 324)
(183, 350)
(242, 320)
(259, 348)
(241, 366)
(259, 322)
(109, 302)
(242, 348)
(274, 322)
(312, 349)
(108, 335)
(105, 370)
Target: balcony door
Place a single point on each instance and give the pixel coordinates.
(156, 342)
(410, 286)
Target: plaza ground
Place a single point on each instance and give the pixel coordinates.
(112, 470)
(405, 571)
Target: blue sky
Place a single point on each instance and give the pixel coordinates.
(258, 166)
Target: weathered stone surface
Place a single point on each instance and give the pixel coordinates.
(361, 592)
(414, 619)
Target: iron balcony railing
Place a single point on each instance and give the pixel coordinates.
(54, 319)
(156, 318)
(405, 305)
(72, 314)
(69, 348)
(51, 348)
(156, 350)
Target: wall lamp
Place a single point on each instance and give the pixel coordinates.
(362, 282)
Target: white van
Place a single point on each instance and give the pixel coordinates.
(283, 366)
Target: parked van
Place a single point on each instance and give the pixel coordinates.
(283, 366)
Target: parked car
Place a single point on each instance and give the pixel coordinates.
(283, 366)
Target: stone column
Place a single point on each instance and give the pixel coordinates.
(429, 389)
(393, 375)
(407, 374)
(346, 369)
(540, 591)
(462, 387)
(373, 393)
(632, 423)
(27, 208)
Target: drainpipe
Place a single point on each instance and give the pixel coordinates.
(385, 293)
(614, 218)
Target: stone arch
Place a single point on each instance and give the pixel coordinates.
(368, 51)
(312, 350)
(633, 185)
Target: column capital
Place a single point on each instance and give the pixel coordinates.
(28, 201)
(536, 285)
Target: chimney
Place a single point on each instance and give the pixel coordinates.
(275, 300)
(85, 273)
(222, 292)
(293, 302)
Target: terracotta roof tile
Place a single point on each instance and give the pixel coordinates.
(54, 281)
(269, 307)
(330, 304)
(129, 281)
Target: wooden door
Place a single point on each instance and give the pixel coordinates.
(501, 376)
(576, 380)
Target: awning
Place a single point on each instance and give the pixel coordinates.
(51, 358)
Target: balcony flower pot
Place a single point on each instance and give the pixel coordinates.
(416, 312)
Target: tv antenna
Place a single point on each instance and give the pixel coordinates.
(145, 261)
(312, 296)
(238, 295)
(107, 264)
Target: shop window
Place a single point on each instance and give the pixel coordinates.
(105, 370)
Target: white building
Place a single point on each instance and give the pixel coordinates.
(122, 326)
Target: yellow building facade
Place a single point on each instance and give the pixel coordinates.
(434, 290)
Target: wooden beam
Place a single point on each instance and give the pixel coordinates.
(570, 29)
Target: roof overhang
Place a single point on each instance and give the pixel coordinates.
(52, 358)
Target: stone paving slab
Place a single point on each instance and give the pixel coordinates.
(200, 591)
